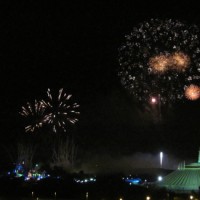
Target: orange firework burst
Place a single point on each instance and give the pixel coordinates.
(180, 61)
(159, 64)
(177, 61)
(192, 92)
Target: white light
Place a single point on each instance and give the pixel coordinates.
(148, 198)
(160, 178)
(191, 197)
(161, 159)
(153, 100)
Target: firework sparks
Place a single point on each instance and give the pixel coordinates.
(159, 63)
(34, 114)
(160, 57)
(192, 92)
(60, 110)
(180, 61)
(176, 61)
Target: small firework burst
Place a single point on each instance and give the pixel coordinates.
(192, 92)
(159, 64)
(180, 61)
(60, 110)
(34, 113)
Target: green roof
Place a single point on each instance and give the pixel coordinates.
(185, 179)
(182, 180)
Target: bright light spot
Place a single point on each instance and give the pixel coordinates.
(153, 100)
(148, 198)
(191, 197)
(161, 158)
(160, 178)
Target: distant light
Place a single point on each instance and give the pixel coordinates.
(160, 178)
(148, 198)
(153, 100)
(86, 180)
(27, 179)
(120, 199)
(191, 197)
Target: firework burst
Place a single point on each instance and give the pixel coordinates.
(192, 92)
(179, 61)
(60, 110)
(160, 57)
(159, 64)
(34, 113)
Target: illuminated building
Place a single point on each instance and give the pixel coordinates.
(185, 179)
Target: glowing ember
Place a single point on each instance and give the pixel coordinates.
(192, 92)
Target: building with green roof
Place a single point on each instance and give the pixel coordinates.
(185, 179)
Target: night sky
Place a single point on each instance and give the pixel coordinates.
(75, 46)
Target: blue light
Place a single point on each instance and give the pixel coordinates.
(134, 181)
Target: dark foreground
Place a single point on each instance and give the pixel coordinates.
(106, 187)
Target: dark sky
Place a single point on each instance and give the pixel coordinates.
(75, 46)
